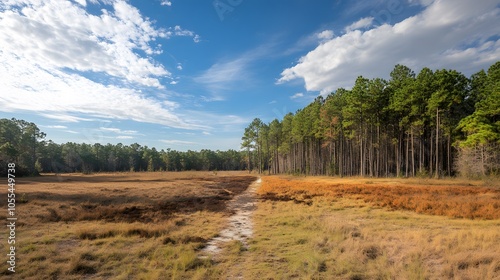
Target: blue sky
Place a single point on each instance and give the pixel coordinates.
(193, 74)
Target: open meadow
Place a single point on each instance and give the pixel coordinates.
(154, 226)
(119, 225)
(360, 228)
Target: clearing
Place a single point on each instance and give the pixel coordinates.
(205, 225)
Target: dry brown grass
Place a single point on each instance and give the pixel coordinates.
(451, 198)
(329, 228)
(152, 226)
(119, 225)
(351, 239)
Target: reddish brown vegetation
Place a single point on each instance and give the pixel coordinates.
(127, 197)
(453, 201)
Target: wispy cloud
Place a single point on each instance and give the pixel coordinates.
(460, 34)
(55, 116)
(72, 131)
(178, 31)
(124, 137)
(362, 23)
(118, 131)
(228, 74)
(178, 142)
(218, 122)
(54, 126)
(297, 95)
(223, 76)
(326, 35)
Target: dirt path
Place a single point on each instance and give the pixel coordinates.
(240, 226)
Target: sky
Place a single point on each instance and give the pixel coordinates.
(191, 75)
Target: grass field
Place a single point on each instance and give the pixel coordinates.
(324, 228)
(120, 225)
(153, 225)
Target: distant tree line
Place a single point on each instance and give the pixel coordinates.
(24, 144)
(434, 123)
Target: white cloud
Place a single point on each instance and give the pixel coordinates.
(325, 35)
(461, 35)
(196, 38)
(54, 126)
(218, 122)
(221, 76)
(117, 130)
(60, 95)
(178, 142)
(179, 66)
(179, 31)
(421, 2)
(228, 74)
(57, 116)
(48, 47)
(58, 34)
(166, 3)
(124, 137)
(81, 2)
(297, 95)
(362, 23)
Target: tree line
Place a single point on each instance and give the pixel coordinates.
(24, 144)
(434, 123)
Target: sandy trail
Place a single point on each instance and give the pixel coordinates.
(240, 226)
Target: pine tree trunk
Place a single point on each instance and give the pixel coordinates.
(437, 143)
(412, 153)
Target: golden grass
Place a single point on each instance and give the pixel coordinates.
(447, 199)
(152, 226)
(120, 225)
(351, 239)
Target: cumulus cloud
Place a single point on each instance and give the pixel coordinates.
(59, 95)
(459, 34)
(178, 142)
(166, 3)
(60, 60)
(59, 34)
(297, 95)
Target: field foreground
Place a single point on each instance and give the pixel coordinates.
(119, 225)
(154, 226)
(327, 228)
